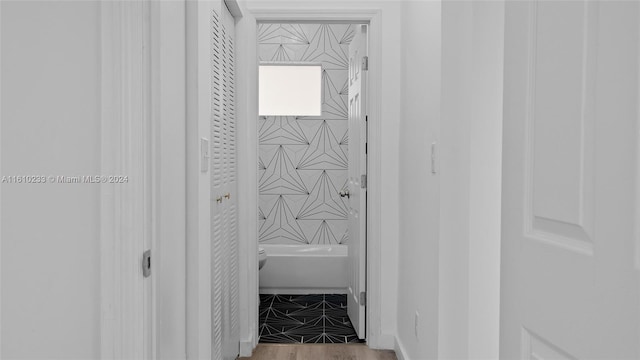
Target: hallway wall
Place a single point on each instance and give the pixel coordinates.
(449, 271)
(303, 160)
(471, 153)
(419, 187)
(50, 303)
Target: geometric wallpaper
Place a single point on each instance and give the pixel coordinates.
(303, 160)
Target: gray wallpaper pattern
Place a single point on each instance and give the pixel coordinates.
(303, 160)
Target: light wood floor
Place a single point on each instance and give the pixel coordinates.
(319, 352)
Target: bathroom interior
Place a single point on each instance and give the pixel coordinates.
(303, 175)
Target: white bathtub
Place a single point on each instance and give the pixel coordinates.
(304, 269)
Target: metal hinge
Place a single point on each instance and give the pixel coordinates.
(366, 130)
(146, 263)
(365, 63)
(363, 298)
(363, 181)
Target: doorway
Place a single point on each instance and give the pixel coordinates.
(312, 198)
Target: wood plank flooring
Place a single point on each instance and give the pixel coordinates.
(319, 352)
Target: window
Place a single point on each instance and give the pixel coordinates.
(290, 90)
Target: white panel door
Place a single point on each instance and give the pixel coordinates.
(357, 189)
(225, 312)
(570, 246)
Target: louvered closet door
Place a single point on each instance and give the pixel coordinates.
(226, 332)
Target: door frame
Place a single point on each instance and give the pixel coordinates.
(247, 86)
(143, 139)
(0, 185)
(125, 209)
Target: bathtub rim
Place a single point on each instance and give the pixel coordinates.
(320, 250)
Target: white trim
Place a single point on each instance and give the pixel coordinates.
(289, 63)
(0, 184)
(124, 213)
(234, 8)
(145, 133)
(198, 248)
(399, 348)
(247, 156)
(386, 341)
(155, 158)
(168, 159)
(303, 291)
(315, 14)
(637, 202)
(248, 150)
(246, 347)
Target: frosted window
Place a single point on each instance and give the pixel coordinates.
(290, 90)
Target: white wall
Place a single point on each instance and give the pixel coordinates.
(419, 188)
(455, 156)
(50, 126)
(472, 71)
(486, 181)
(449, 260)
(389, 47)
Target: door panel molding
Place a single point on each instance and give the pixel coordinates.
(545, 218)
(581, 273)
(535, 347)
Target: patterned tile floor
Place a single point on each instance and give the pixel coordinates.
(288, 319)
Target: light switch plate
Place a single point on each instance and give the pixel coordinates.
(204, 154)
(433, 158)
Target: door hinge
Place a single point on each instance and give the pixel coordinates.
(363, 298)
(146, 263)
(365, 63)
(366, 131)
(363, 181)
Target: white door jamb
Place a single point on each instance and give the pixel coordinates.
(125, 218)
(248, 158)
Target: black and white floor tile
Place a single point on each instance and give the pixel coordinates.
(286, 319)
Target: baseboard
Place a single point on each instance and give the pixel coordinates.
(386, 341)
(401, 353)
(246, 348)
